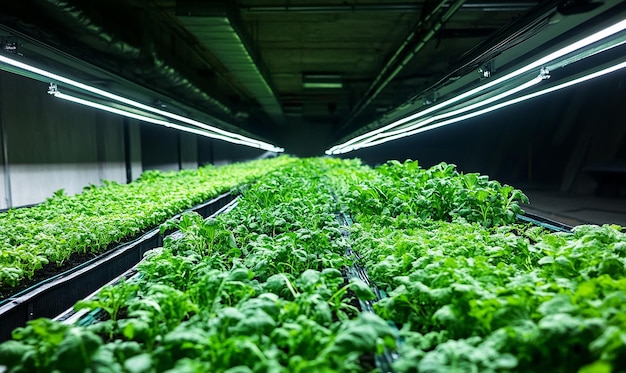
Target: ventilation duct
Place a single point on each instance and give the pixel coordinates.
(217, 26)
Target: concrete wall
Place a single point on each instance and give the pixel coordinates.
(132, 142)
(4, 197)
(219, 152)
(166, 149)
(188, 151)
(53, 144)
(160, 148)
(205, 151)
(306, 139)
(110, 156)
(225, 153)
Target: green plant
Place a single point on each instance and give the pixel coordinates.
(102, 215)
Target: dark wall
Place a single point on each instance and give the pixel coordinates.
(160, 148)
(205, 151)
(305, 139)
(548, 141)
(220, 152)
(166, 149)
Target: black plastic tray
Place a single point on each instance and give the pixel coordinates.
(541, 221)
(53, 296)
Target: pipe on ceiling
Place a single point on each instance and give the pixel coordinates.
(502, 6)
(523, 28)
(403, 56)
(219, 27)
(146, 64)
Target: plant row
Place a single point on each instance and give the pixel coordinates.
(263, 288)
(437, 193)
(259, 289)
(472, 292)
(101, 215)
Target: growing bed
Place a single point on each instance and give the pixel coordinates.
(458, 283)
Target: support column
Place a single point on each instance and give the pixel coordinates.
(7, 200)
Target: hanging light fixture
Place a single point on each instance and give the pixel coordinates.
(203, 129)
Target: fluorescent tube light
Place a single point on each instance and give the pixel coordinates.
(322, 81)
(322, 85)
(227, 136)
(486, 110)
(160, 122)
(425, 122)
(582, 43)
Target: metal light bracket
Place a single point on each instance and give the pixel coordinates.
(486, 70)
(10, 44)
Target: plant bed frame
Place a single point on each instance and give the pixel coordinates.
(52, 296)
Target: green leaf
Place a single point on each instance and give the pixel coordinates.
(597, 367)
(613, 267)
(558, 324)
(135, 329)
(11, 353)
(505, 361)
(233, 314)
(363, 334)
(239, 274)
(308, 280)
(239, 369)
(74, 353)
(556, 305)
(256, 321)
(139, 364)
(546, 260)
(104, 361)
(268, 302)
(362, 290)
(445, 314)
(277, 284)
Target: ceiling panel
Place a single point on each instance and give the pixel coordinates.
(251, 55)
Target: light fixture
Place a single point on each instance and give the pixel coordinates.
(321, 81)
(54, 91)
(419, 129)
(14, 66)
(435, 118)
(486, 71)
(376, 136)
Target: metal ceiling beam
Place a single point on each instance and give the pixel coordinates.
(502, 6)
(71, 30)
(74, 41)
(218, 28)
(450, 33)
(523, 28)
(411, 46)
(521, 43)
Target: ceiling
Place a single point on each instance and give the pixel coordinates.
(244, 62)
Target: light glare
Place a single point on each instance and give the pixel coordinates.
(585, 78)
(582, 43)
(227, 136)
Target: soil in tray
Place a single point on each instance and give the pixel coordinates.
(52, 269)
(47, 271)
